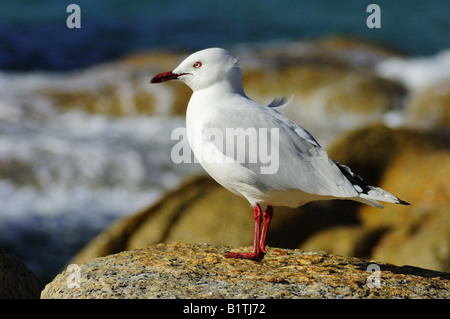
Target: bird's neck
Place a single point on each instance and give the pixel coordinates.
(204, 102)
(231, 83)
(227, 87)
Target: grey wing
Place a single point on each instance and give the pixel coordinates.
(291, 158)
(305, 165)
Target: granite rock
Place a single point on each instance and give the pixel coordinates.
(201, 271)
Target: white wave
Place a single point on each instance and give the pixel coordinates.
(418, 72)
(65, 175)
(105, 156)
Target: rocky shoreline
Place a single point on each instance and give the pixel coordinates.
(199, 271)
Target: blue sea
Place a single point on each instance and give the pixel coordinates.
(34, 34)
(66, 175)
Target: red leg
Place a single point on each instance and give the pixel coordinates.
(268, 213)
(256, 254)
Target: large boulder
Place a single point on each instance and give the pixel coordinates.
(200, 271)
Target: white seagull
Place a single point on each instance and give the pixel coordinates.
(303, 171)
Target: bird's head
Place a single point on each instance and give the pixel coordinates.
(203, 69)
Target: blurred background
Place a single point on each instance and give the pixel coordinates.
(85, 139)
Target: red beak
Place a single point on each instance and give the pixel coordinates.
(166, 76)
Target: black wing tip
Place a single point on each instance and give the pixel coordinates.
(402, 202)
(357, 180)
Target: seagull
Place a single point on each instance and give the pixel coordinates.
(303, 171)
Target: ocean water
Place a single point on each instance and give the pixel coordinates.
(34, 35)
(66, 175)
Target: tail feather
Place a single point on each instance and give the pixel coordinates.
(369, 194)
(378, 194)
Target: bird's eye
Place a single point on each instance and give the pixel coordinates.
(197, 64)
